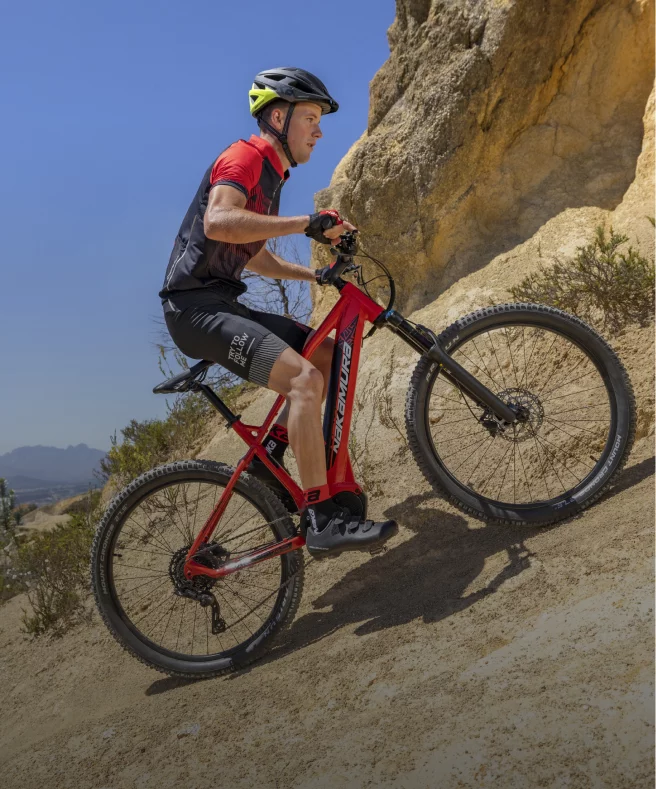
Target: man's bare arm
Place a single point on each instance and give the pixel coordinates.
(269, 265)
(227, 220)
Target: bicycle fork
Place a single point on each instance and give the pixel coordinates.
(425, 342)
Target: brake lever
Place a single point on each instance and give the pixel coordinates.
(348, 244)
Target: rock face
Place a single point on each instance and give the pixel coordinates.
(490, 118)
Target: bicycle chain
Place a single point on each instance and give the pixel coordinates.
(291, 577)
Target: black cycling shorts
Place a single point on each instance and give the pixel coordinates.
(246, 342)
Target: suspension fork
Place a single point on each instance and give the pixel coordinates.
(451, 370)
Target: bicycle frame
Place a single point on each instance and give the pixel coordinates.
(347, 318)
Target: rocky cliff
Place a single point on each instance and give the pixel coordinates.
(490, 118)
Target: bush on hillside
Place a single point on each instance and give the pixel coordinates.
(603, 286)
(53, 568)
(155, 441)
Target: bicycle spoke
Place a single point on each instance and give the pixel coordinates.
(156, 596)
(525, 379)
(494, 471)
(553, 380)
(164, 547)
(462, 449)
(487, 372)
(546, 356)
(576, 427)
(528, 484)
(512, 361)
(503, 378)
(544, 478)
(551, 399)
(579, 378)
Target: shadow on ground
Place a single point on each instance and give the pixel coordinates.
(424, 577)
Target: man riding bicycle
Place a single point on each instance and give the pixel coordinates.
(234, 213)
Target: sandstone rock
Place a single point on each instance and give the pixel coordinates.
(489, 119)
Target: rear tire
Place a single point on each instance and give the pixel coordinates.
(578, 344)
(155, 541)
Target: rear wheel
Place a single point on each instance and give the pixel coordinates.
(577, 407)
(203, 627)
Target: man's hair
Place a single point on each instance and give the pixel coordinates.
(278, 104)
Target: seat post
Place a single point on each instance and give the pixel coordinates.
(216, 401)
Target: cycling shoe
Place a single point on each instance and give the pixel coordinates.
(259, 470)
(345, 533)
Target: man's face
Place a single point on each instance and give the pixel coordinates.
(303, 130)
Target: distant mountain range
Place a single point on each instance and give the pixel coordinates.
(44, 472)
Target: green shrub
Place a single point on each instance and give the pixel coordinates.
(53, 567)
(602, 285)
(156, 441)
(178, 436)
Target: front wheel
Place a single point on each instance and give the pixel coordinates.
(577, 406)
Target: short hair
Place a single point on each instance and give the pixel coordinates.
(277, 104)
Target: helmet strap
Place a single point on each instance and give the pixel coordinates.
(282, 136)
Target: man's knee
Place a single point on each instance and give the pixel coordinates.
(307, 383)
(295, 377)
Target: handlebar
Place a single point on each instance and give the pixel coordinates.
(344, 251)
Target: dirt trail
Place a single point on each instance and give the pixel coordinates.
(465, 655)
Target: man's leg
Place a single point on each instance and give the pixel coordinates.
(321, 359)
(302, 384)
(329, 529)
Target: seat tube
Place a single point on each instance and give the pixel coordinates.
(341, 394)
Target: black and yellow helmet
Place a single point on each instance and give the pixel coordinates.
(292, 85)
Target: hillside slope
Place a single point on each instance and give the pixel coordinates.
(466, 654)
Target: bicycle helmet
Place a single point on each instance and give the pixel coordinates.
(292, 85)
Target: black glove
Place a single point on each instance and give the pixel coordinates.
(323, 275)
(320, 222)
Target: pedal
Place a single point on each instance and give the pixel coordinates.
(376, 551)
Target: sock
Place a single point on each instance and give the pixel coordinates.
(276, 441)
(319, 508)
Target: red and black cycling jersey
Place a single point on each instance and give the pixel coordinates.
(196, 261)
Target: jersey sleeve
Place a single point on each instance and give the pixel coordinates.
(239, 166)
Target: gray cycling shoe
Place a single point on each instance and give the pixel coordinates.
(345, 533)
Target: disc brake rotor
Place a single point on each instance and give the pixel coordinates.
(530, 412)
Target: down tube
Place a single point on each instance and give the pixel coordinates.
(341, 393)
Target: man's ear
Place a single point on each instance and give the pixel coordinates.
(277, 118)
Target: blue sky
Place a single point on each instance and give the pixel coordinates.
(111, 114)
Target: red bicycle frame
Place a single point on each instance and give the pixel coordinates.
(347, 318)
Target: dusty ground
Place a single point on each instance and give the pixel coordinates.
(467, 655)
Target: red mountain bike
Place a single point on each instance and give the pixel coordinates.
(517, 413)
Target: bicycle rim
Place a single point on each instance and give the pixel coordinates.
(144, 571)
(569, 425)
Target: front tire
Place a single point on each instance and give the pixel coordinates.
(579, 425)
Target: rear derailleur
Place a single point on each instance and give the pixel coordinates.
(200, 587)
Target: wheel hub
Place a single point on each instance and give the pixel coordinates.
(529, 410)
